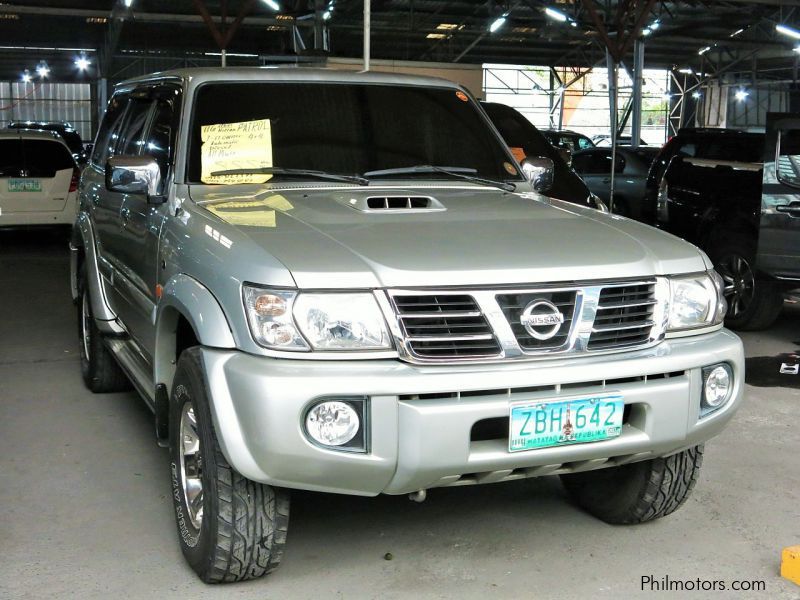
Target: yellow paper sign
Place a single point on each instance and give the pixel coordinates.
(226, 146)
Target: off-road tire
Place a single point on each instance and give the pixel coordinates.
(767, 298)
(100, 371)
(242, 532)
(637, 492)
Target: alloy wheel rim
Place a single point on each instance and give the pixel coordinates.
(86, 330)
(739, 281)
(191, 465)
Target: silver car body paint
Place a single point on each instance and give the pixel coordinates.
(309, 236)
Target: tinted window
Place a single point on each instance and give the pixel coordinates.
(350, 129)
(597, 163)
(73, 140)
(584, 142)
(788, 164)
(107, 134)
(740, 148)
(33, 158)
(131, 137)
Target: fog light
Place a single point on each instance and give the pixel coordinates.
(717, 385)
(332, 423)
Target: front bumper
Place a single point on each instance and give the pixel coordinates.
(421, 417)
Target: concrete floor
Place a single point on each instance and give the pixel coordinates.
(85, 511)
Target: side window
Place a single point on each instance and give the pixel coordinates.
(160, 143)
(787, 164)
(131, 137)
(584, 143)
(107, 134)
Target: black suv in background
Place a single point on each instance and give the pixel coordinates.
(706, 186)
(67, 132)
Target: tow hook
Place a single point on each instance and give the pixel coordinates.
(418, 496)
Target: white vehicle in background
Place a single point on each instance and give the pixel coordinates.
(38, 179)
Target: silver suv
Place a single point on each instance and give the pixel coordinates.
(345, 283)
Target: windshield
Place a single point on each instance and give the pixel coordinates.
(343, 129)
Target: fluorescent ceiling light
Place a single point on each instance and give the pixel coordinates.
(128, 3)
(273, 5)
(82, 63)
(737, 32)
(26, 77)
(686, 71)
(326, 15)
(555, 14)
(43, 70)
(498, 23)
(655, 25)
(696, 95)
(786, 30)
(704, 50)
(742, 94)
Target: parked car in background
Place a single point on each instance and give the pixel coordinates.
(569, 140)
(630, 169)
(310, 295)
(724, 191)
(623, 140)
(67, 132)
(526, 141)
(38, 179)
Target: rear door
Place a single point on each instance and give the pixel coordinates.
(779, 232)
(35, 175)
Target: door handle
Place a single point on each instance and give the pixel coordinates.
(792, 209)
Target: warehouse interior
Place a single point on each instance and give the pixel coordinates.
(87, 505)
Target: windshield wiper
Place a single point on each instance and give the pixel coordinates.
(458, 172)
(300, 172)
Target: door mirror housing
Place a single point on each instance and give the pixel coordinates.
(136, 175)
(540, 172)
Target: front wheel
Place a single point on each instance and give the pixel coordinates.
(638, 492)
(230, 528)
(753, 303)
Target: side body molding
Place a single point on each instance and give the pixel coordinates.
(184, 296)
(104, 317)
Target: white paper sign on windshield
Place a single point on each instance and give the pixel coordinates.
(244, 145)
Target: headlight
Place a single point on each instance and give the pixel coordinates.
(290, 320)
(342, 321)
(696, 301)
(269, 314)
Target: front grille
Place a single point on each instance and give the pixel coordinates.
(624, 316)
(444, 326)
(513, 305)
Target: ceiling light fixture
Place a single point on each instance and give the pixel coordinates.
(82, 63)
(788, 31)
(273, 5)
(556, 14)
(43, 70)
(704, 50)
(498, 23)
(26, 76)
(742, 95)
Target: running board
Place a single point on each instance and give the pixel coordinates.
(135, 368)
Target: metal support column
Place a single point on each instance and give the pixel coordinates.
(367, 25)
(613, 78)
(638, 76)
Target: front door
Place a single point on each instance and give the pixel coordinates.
(779, 233)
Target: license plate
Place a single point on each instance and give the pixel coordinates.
(559, 422)
(24, 185)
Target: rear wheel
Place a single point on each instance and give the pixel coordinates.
(230, 528)
(638, 492)
(753, 303)
(99, 369)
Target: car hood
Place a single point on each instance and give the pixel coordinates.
(473, 236)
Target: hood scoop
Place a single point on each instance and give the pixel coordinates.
(395, 204)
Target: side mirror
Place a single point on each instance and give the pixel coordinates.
(540, 172)
(138, 175)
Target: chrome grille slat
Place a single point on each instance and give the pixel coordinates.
(485, 324)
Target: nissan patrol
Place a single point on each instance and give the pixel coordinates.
(345, 283)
